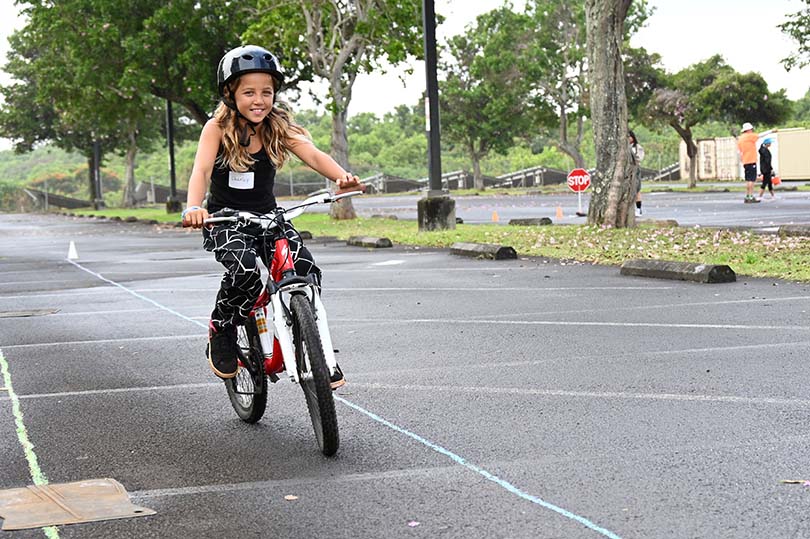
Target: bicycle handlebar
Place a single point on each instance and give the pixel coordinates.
(269, 220)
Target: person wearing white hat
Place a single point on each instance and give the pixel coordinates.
(747, 145)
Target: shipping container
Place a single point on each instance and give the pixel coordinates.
(718, 158)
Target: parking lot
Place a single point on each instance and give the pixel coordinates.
(516, 399)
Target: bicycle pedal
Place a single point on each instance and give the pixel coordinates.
(273, 378)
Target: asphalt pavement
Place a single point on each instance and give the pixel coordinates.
(688, 209)
(516, 399)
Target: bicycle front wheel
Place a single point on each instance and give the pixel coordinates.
(314, 375)
(248, 389)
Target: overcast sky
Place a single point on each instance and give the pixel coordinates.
(683, 32)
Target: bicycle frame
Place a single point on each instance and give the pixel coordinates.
(282, 282)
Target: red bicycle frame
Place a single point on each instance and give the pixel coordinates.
(281, 265)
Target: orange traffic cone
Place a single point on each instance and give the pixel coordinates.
(559, 212)
(495, 217)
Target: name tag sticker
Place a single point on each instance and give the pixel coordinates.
(240, 180)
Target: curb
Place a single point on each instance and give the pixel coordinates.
(369, 241)
(533, 221)
(681, 271)
(483, 250)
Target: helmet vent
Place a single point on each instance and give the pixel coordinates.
(247, 56)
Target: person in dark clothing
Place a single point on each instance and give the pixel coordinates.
(766, 167)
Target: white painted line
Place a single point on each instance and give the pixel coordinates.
(389, 263)
(363, 289)
(95, 313)
(489, 476)
(732, 399)
(572, 323)
(659, 306)
(136, 294)
(603, 358)
(41, 282)
(63, 294)
(489, 289)
(274, 485)
(111, 391)
(106, 341)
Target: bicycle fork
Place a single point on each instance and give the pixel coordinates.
(282, 324)
(280, 342)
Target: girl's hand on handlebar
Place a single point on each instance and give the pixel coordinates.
(349, 182)
(194, 216)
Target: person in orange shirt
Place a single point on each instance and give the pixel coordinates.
(747, 145)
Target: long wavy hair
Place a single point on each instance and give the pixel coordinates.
(278, 127)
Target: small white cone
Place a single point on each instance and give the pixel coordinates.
(72, 254)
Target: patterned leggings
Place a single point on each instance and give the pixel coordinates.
(238, 247)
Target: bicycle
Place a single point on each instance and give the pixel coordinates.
(301, 343)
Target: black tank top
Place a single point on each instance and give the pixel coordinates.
(245, 191)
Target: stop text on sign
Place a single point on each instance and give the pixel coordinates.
(579, 180)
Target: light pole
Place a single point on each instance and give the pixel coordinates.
(172, 204)
(437, 211)
(98, 202)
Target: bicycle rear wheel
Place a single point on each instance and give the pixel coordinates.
(314, 375)
(248, 389)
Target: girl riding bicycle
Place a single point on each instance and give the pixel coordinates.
(249, 138)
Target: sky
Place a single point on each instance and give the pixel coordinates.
(683, 32)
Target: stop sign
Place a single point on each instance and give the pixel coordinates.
(579, 180)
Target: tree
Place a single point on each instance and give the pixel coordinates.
(98, 66)
(614, 189)
(336, 41)
(713, 91)
(485, 99)
(40, 105)
(798, 28)
(560, 69)
(176, 46)
(643, 74)
(801, 109)
(77, 68)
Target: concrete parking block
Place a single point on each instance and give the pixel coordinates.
(534, 221)
(369, 241)
(794, 230)
(484, 250)
(681, 271)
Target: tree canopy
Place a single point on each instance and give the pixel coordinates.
(797, 27)
(336, 41)
(485, 97)
(712, 90)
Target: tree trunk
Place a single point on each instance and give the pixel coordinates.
(91, 167)
(128, 199)
(342, 209)
(478, 179)
(573, 152)
(570, 149)
(691, 151)
(613, 182)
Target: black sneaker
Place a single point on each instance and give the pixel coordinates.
(222, 354)
(337, 379)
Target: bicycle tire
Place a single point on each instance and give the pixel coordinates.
(314, 375)
(247, 391)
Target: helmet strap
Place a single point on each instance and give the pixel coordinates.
(244, 137)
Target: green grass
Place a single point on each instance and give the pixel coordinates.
(745, 252)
